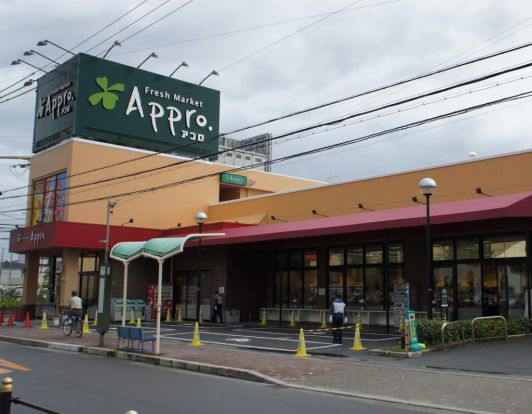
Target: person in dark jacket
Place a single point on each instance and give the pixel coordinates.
(337, 312)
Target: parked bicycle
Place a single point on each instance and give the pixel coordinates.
(72, 323)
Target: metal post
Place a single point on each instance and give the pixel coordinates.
(124, 293)
(280, 288)
(198, 293)
(429, 262)
(105, 283)
(5, 395)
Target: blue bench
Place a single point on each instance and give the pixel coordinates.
(132, 334)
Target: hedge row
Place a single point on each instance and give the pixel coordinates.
(429, 332)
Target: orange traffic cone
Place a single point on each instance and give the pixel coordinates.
(10, 321)
(27, 322)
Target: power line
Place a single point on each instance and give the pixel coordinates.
(245, 29)
(417, 97)
(129, 25)
(287, 37)
(462, 111)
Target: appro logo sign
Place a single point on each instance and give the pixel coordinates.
(106, 96)
(185, 123)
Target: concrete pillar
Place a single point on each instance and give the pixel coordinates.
(70, 275)
(31, 280)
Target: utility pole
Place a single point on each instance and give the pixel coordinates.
(105, 283)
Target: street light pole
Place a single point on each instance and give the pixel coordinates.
(427, 187)
(105, 283)
(200, 218)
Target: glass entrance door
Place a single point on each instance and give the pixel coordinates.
(490, 289)
(187, 287)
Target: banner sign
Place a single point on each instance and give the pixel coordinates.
(106, 101)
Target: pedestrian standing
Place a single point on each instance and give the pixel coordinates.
(337, 313)
(217, 307)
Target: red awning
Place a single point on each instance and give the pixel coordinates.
(60, 235)
(486, 208)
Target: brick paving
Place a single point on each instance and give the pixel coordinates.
(468, 392)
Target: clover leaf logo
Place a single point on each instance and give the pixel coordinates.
(107, 97)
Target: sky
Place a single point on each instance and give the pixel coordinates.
(277, 57)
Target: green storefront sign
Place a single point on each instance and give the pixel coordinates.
(234, 179)
(105, 101)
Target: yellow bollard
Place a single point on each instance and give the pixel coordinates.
(301, 347)
(139, 324)
(357, 343)
(359, 321)
(401, 324)
(132, 320)
(168, 318)
(292, 320)
(95, 323)
(86, 324)
(179, 319)
(264, 321)
(196, 338)
(44, 324)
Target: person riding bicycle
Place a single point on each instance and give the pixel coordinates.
(75, 306)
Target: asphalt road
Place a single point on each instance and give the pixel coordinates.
(79, 383)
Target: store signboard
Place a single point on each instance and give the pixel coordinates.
(233, 179)
(106, 101)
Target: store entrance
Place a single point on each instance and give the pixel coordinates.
(493, 289)
(189, 287)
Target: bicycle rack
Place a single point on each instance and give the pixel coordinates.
(489, 317)
(445, 325)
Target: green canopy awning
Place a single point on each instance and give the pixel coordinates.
(127, 250)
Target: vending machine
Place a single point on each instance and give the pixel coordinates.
(166, 300)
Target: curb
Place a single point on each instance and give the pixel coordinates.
(220, 370)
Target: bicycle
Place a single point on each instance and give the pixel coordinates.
(72, 323)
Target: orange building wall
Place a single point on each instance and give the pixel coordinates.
(496, 176)
(154, 209)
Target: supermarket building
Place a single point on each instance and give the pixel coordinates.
(289, 244)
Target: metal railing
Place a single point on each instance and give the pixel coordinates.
(7, 399)
(489, 317)
(445, 325)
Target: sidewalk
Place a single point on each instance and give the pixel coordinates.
(383, 380)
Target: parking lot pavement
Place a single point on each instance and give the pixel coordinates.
(273, 339)
(512, 357)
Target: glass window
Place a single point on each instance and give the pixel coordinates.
(310, 258)
(374, 288)
(336, 256)
(238, 156)
(336, 283)
(296, 257)
(60, 194)
(281, 288)
(295, 288)
(229, 154)
(467, 249)
(499, 247)
(48, 199)
(310, 291)
(395, 253)
(442, 250)
(443, 279)
(355, 255)
(516, 289)
(395, 276)
(374, 254)
(38, 202)
(355, 286)
(281, 263)
(469, 291)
